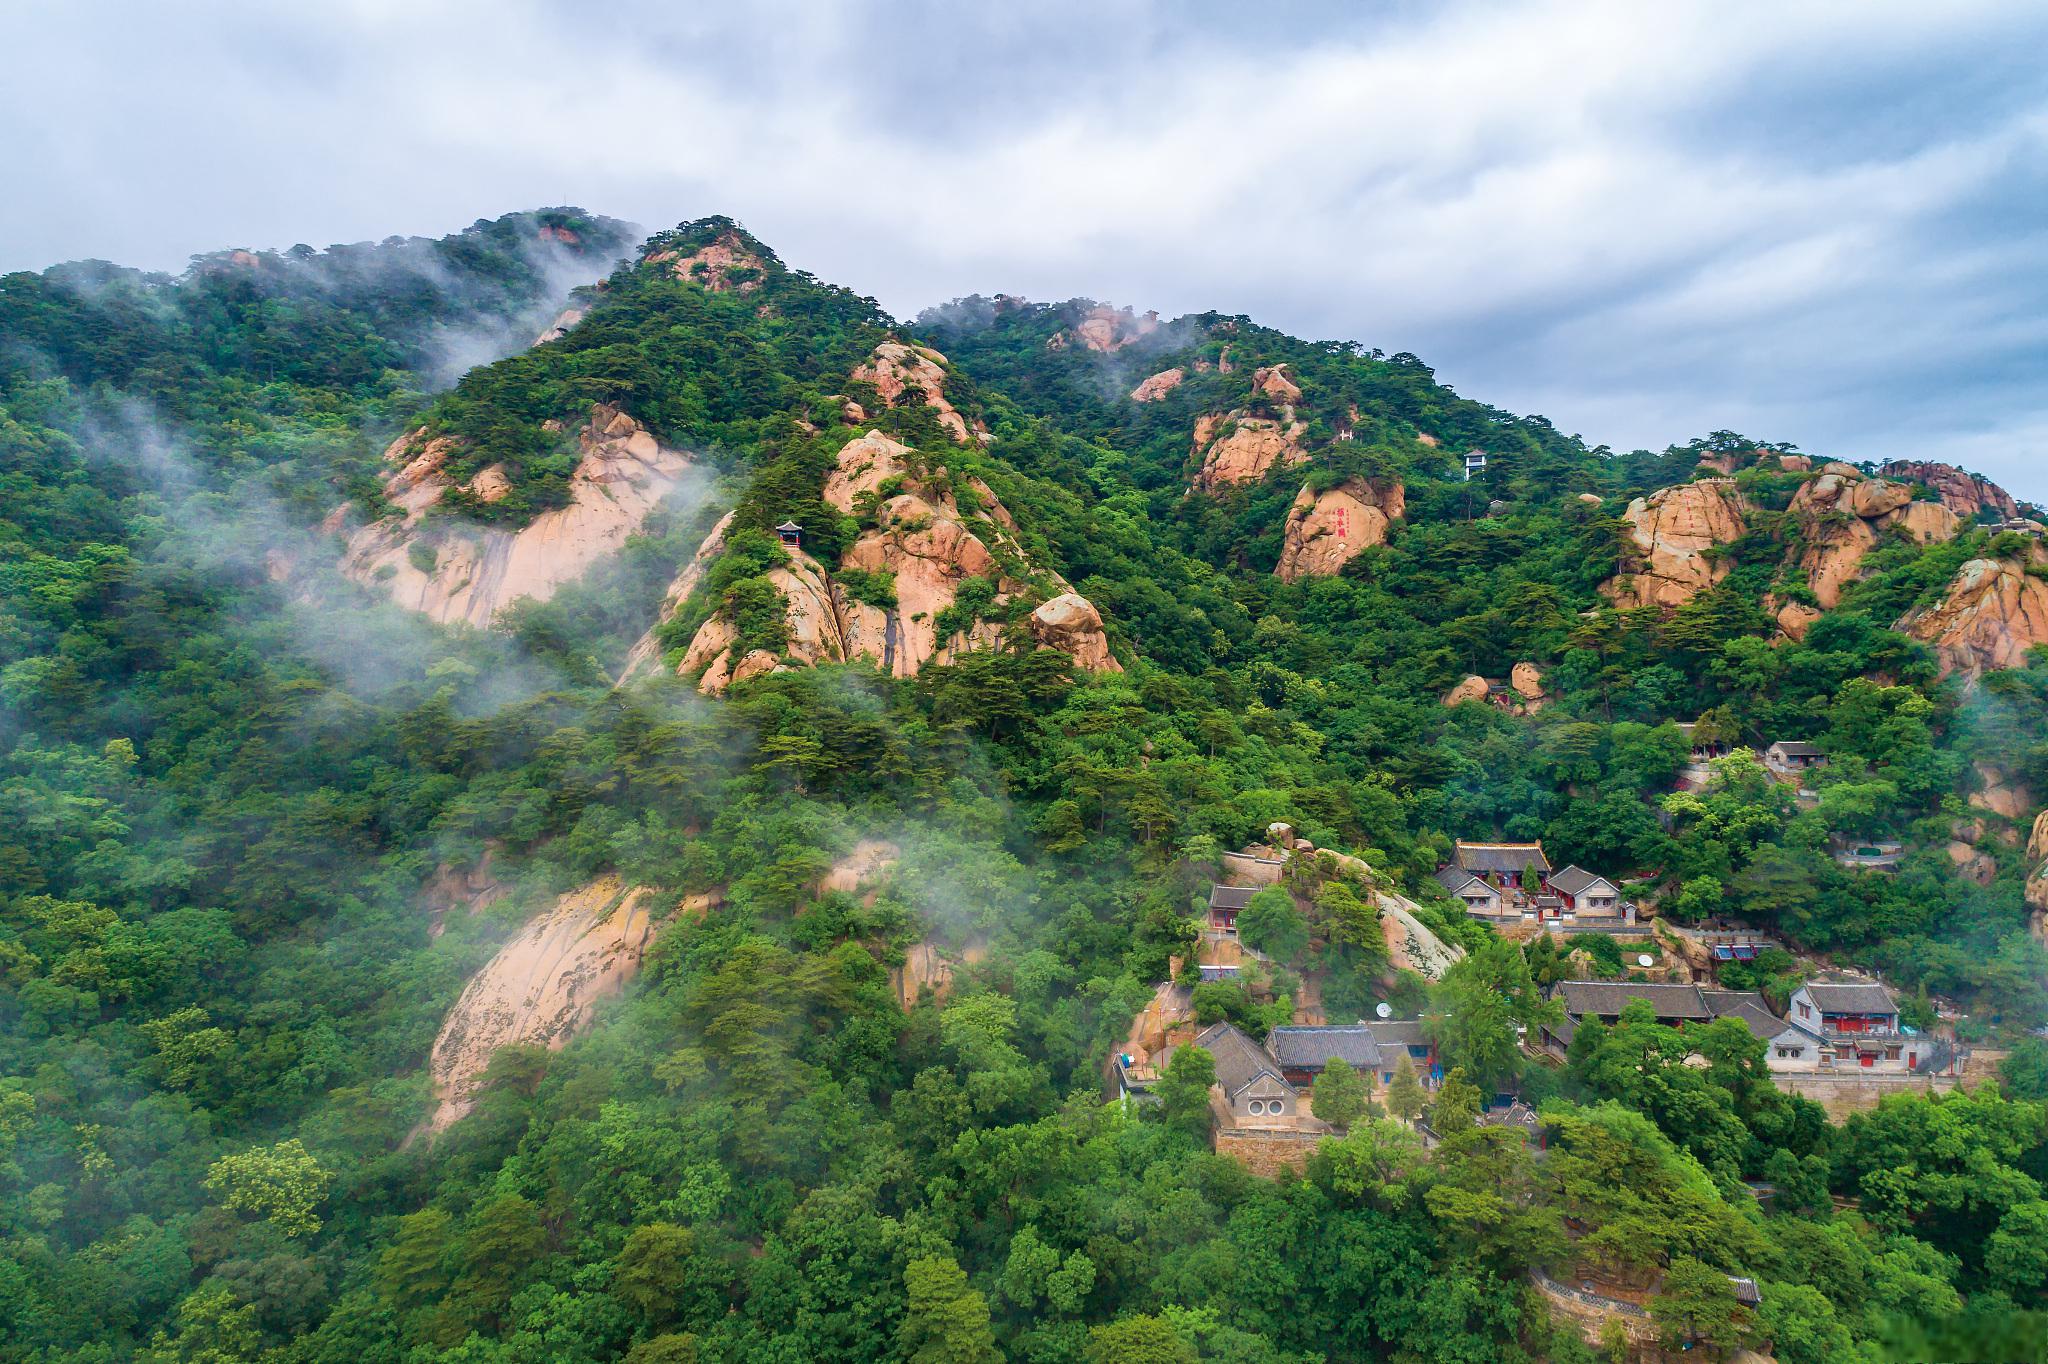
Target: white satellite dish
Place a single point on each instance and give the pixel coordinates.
(1645, 959)
(1383, 1009)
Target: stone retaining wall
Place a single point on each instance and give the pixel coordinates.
(1843, 1094)
(1267, 1153)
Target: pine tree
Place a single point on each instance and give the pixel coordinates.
(1404, 1094)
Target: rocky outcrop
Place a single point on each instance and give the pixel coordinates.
(1159, 385)
(1795, 619)
(1473, 688)
(2000, 793)
(1965, 494)
(1527, 680)
(1103, 328)
(928, 970)
(2037, 842)
(1842, 515)
(451, 570)
(1070, 623)
(1240, 449)
(896, 369)
(1972, 865)
(1411, 946)
(1327, 530)
(715, 264)
(932, 544)
(1673, 530)
(646, 652)
(559, 328)
(542, 986)
(1273, 382)
(859, 871)
(470, 890)
(1993, 613)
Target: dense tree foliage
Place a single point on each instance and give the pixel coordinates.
(227, 777)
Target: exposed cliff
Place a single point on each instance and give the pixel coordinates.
(724, 264)
(896, 369)
(1327, 530)
(1673, 531)
(1993, 613)
(1842, 515)
(1238, 448)
(1103, 328)
(453, 570)
(541, 987)
(1151, 390)
(1963, 493)
(931, 544)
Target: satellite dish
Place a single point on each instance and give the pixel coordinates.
(1645, 959)
(1383, 1009)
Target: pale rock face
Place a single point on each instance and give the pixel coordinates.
(624, 473)
(1861, 509)
(1411, 945)
(541, 987)
(1104, 328)
(1070, 623)
(928, 970)
(865, 463)
(2001, 795)
(646, 651)
(560, 327)
(1473, 688)
(1591, 499)
(1972, 865)
(2037, 842)
(1796, 618)
(1425, 438)
(932, 546)
(860, 869)
(810, 617)
(1252, 446)
(1672, 530)
(1994, 612)
(895, 369)
(1527, 680)
(713, 265)
(1794, 464)
(1274, 383)
(490, 484)
(1327, 530)
(1962, 493)
(1159, 385)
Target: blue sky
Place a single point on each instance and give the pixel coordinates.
(1820, 223)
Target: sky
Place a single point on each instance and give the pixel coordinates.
(1818, 223)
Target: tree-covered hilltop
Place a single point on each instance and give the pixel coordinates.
(263, 826)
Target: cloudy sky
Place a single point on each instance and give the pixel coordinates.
(1820, 223)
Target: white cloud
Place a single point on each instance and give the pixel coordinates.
(1645, 221)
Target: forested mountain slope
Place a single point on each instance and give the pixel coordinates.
(353, 668)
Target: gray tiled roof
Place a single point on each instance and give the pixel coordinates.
(1851, 997)
(1239, 1060)
(1231, 897)
(1455, 879)
(1747, 1005)
(1313, 1048)
(1398, 1032)
(1501, 857)
(1608, 998)
(1575, 880)
(1797, 748)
